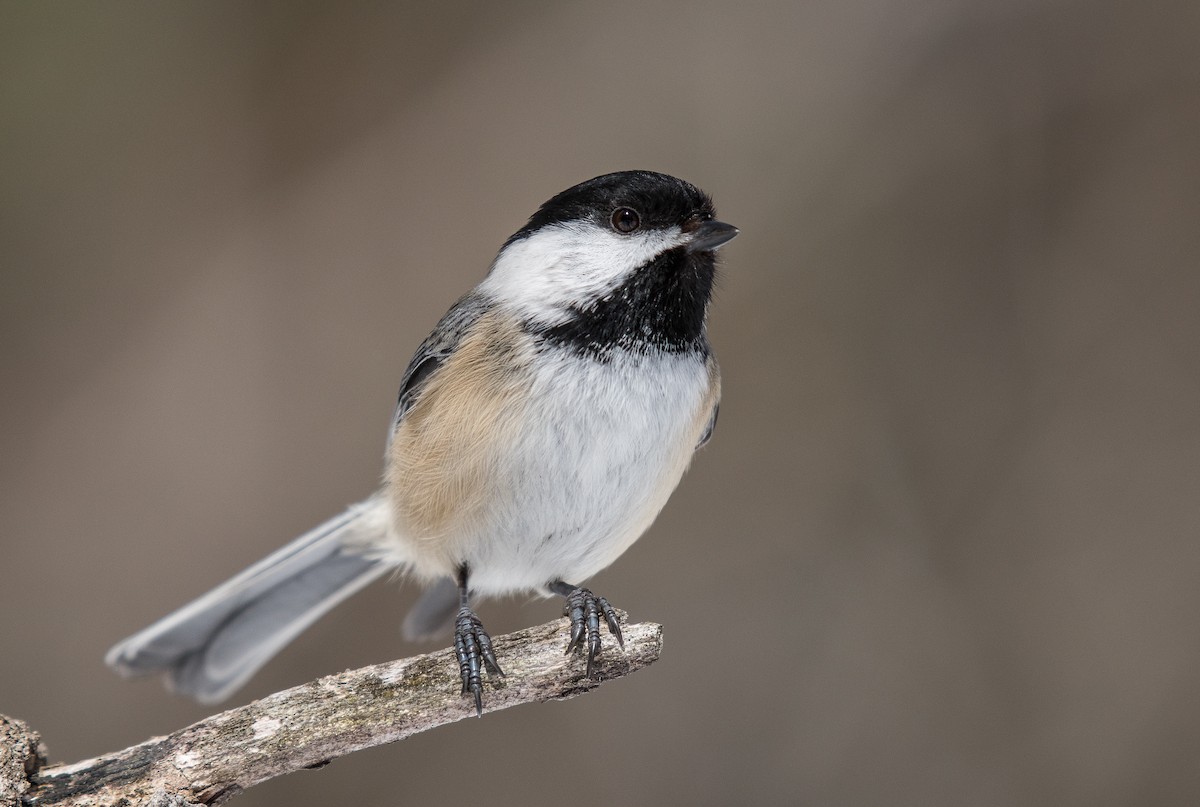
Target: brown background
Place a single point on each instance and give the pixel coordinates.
(943, 548)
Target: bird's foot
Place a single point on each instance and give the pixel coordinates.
(584, 608)
(473, 647)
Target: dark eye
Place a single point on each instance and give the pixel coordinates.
(626, 220)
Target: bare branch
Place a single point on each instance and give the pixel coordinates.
(306, 726)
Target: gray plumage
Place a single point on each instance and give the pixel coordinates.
(441, 342)
(211, 646)
(433, 613)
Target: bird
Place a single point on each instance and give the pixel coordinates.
(539, 430)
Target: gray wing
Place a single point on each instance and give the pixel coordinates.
(711, 427)
(434, 611)
(432, 353)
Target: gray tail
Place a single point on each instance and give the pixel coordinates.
(211, 646)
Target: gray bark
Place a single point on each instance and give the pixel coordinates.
(306, 726)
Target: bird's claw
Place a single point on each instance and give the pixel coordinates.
(473, 648)
(584, 608)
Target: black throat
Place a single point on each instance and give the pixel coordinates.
(662, 306)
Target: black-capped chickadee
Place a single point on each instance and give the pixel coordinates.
(540, 429)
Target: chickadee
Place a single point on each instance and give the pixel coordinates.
(540, 429)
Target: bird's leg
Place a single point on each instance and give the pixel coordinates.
(584, 608)
(472, 645)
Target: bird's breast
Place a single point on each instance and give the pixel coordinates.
(531, 463)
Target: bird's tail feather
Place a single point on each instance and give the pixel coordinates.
(211, 646)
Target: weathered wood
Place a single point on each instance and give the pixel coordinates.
(306, 726)
(20, 756)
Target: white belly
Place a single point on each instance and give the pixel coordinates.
(602, 447)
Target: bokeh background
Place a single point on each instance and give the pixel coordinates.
(943, 548)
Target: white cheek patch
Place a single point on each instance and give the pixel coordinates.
(568, 266)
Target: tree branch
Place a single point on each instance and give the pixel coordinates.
(309, 725)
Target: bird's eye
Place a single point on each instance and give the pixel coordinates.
(626, 220)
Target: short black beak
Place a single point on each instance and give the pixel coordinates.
(709, 235)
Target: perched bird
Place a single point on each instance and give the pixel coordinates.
(540, 429)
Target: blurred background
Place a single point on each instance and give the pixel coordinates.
(943, 548)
